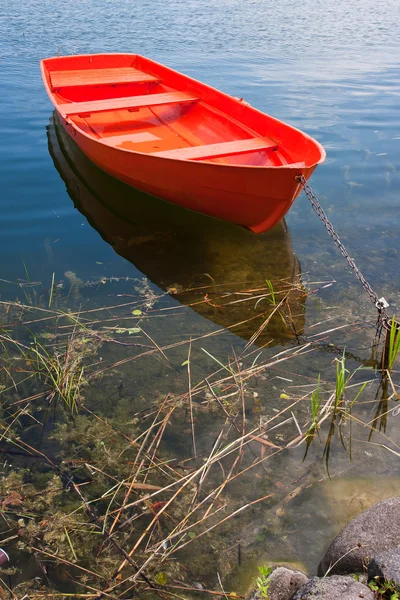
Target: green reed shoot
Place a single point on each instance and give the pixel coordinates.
(315, 408)
(271, 292)
(342, 378)
(337, 408)
(51, 290)
(393, 346)
(26, 271)
(362, 387)
(70, 544)
(315, 403)
(218, 361)
(62, 372)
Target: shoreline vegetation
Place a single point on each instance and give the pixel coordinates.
(139, 448)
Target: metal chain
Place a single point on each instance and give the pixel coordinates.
(380, 303)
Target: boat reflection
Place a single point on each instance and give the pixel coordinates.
(217, 268)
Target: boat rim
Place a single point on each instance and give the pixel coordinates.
(293, 166)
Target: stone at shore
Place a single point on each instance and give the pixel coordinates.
(333, 588)
(386, 565)
(283, 583)
(373, 531)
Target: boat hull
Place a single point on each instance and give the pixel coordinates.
(254, 198)
(179, 139)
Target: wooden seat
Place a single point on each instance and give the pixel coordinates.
(131, 138)
(99, 77)
(80, 108)
(218, 150)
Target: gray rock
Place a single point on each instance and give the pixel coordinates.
(333, 588)
(373, 531)
(283, 583)
(386, 565)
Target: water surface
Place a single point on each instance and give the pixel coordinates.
(330, 70)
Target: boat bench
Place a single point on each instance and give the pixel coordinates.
(219, 150)
(85, 108)
(99, 77)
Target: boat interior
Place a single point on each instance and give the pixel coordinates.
(131, 103)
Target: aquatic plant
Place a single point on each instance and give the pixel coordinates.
(262, 582)
(315, 411)
(75, 283)
(52, 289)
(149, 481)
(342, 377)
(61, 370)
(315, 404)
(336, 407)
(271, 292)
(393, 345)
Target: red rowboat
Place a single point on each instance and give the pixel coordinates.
(181, 140)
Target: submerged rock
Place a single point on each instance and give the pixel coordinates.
(333, 588)
(373, 531)
(283, 583)
(386, 565)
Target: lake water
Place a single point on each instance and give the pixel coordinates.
(330, 69)
(332, 72)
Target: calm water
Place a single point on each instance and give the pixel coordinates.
(330, 69)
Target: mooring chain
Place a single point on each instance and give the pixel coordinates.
(380, 303)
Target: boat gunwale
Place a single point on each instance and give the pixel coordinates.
(290, 166)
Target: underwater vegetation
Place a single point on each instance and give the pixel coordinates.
(143, 452)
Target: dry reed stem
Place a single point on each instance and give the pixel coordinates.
(233, 514)
(259, 331)
(157, 464)
(67, 562)
(135, 475)
(191, 400)
(158, 437)
(204, 591)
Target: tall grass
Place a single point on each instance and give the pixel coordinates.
(393, 345)
(336, 408)
(315, 412)
(342, 378)
(60, 370)
(271, 292)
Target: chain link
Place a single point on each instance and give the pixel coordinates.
(380, 303)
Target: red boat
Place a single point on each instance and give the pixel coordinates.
(180, 140)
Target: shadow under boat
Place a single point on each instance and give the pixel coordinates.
(218, 268)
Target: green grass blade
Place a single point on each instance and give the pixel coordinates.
(218, 362)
